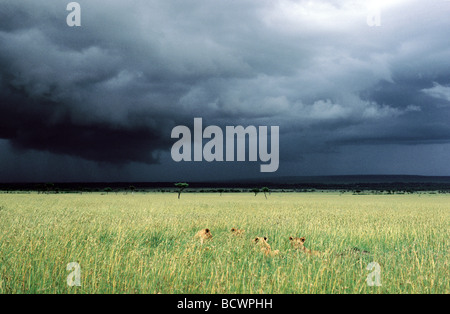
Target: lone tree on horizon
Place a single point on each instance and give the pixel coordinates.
(181, 187)
(255, 190)
(265, 190)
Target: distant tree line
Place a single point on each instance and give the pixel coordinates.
(356, 189)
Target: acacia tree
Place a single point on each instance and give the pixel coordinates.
(255, 190)
(265, 190)
(181, 187)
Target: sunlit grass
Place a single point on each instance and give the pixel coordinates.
(143, 243)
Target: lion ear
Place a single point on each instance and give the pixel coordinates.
(265, 238)
(303, 239)
(207, 230)
(256, 240)
(290, 238)
(233, 230)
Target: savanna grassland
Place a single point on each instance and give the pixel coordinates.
(143, 243)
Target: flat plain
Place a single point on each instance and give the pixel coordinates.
(144, 243)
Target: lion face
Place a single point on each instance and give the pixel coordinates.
(260, 240)
(261, 243)
(297, 243)
(204, 234)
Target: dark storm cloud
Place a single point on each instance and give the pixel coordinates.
(112, 89)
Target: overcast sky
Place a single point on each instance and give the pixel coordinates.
(98, 102)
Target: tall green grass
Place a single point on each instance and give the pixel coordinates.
(143, 243)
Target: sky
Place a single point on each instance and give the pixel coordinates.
(356, 87)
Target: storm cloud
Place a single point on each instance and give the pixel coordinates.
(109, 92)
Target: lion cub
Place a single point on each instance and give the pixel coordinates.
(261, 243)
(297, 243)
(203, 235)
(237, 232)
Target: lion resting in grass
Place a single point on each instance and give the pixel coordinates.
(261, 243)
(237, 232)
(203, 235)
(298, 244)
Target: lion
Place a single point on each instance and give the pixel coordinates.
(262, 244)
(298, 244)
(237, 232)
(203, 235)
